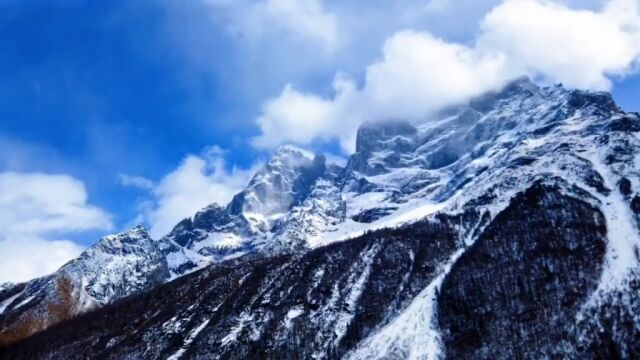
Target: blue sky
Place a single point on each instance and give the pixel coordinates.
(142, 106)
(97, 89)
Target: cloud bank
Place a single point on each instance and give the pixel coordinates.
(419, 73)
(35, 211)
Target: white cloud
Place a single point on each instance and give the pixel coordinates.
(25, 258)
(135, 181)
(417, 74)
(302, 19)
(580, 48)
(38, 204)
(35, 209)
(420, 73)
(307, 18)
(301, 118)
(196, 183)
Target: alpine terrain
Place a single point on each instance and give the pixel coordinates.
(507, 228)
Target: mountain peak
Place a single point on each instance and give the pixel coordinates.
(292, 149)
(599, 100)
(522, 83)
(138, 232)
(283, 181)
(371, 135)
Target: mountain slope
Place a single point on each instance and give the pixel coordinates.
(535, 187)
(117, 266)
(372, 297)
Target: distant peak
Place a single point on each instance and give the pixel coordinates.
(287, 157)
(371, 134)
(210, 207)
(579, 99)
(136, 232)
(522, 86)
(289, 149)
(523, 82)
(137, 229)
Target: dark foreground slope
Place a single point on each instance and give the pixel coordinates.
(517, 292)
(322, 302)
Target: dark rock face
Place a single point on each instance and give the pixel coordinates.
(210, 219)
(516, 292)
(372, 215)
(625, 124)
(635, 204)
(624, 185)
(384, 135)
(580, 99)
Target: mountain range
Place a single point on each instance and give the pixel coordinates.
(504, 228)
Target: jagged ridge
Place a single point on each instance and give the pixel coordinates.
(474, 158)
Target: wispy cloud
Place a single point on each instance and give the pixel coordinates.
(135, 181)
(303, 20)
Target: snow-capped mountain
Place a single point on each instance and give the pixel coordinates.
(115, 267)
(250, 221)
(504, 228)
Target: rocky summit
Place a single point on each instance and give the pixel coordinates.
(505, 228)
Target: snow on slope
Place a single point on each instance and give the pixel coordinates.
(414, 333)
(7, 302)
(623, 231)
(185, 346)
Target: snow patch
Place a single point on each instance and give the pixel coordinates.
(414, 334)
(241, 322)
(623, 236)
(219, 240)
(407, 213)
(188, 341)
(345, 317)
(24, 302)
(8, 301)
(292, 314)
(184, 256)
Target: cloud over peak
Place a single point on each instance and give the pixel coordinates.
(420, 73)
